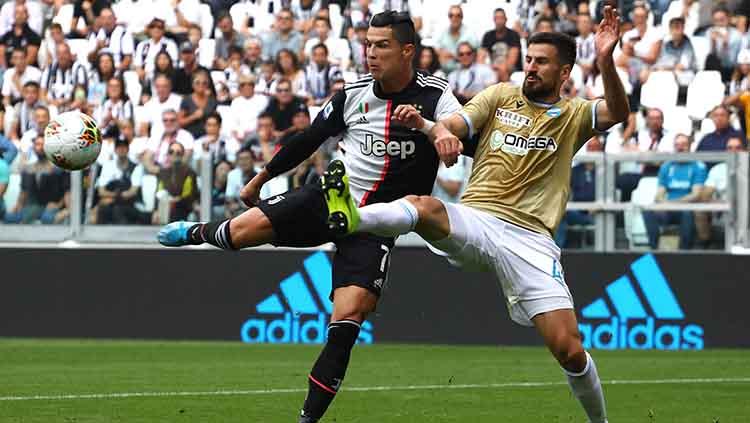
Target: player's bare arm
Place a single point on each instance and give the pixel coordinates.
(615, 108)
(448, 145)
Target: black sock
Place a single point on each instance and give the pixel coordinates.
(329, 370)
(215, 233)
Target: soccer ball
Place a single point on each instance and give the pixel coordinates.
(72, 140)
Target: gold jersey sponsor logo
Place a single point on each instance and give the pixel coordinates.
(519, 145)
(512, 119)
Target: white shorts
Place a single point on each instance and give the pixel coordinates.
(527, 264)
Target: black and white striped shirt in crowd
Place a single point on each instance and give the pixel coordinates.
(119, 42)
(59, 83)
(318, 81)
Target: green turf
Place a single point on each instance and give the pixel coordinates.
(43, 367)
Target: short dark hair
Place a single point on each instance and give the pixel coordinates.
(565, 45)
(400, 23)
(499, 10)
(324, 19)
(320, 45)
(214, 115)
(544, 19)
(31, 84)
(245, 149)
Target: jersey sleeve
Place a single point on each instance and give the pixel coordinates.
(447, 105)
(328, 123)
(587, 128)
(479, 109)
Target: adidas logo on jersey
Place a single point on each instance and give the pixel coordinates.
(631, 326)
(380, 148)
(298, 315)
(362, 120)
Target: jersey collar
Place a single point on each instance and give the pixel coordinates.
(410, 88)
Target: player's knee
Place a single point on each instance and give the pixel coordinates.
(569, 352)
(427, 206)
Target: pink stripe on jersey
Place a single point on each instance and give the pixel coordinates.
(387, 157)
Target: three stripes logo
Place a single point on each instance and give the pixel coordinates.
(628, 324)
(298, 314)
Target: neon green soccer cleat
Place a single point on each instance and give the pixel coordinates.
(343, 216)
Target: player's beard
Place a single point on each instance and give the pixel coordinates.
(539, 90)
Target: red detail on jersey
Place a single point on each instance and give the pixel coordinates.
(387, 157)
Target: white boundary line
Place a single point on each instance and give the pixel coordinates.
(118, 395)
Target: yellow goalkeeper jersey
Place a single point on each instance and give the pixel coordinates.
(522, 165)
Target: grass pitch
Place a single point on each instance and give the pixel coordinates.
(124, 381)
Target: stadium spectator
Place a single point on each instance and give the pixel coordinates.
(586, 52)
(157, 148)
(338, 48)
(358, 47)
(131, 14)
(19, 36)
(235, 68)
(320, 75)
(470, 77)
(282, 107)
(646, 40)
(115, 109)
(118, 187)
(197, 106)
(245, 109)
(252, 17)
(544, 24)
(219, 190)
(41, 118)
(145, 53)
(4, 180)
(43, 186)
(688, 10)
(214, 145)
(677, 53)
(501, 42)
(48, 47)
(429, 62)
(582, 188)
(115, 38)
(726, 42)
(103, 71)
(61, 77)
(253, 57)
(187, 67)
(15, 78)
(679, 182)
(715, 189)
(267, 79)
(717, 140)
(177, 189)
(23, 111)
(237, 179)
(163, 99)
(8, 15)
(501, 71)
(162, 66)
(448, 41)
(263, 145)
(178, 15)
(229, 38)
(741, 99)
(741, 76)
(89, 10)
(283, 35)
(300, 121)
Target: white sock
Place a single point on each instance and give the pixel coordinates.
(388, 219)
(587, 387)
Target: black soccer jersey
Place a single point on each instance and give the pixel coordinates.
(386, 161)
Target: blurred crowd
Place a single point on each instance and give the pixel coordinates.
(181, 87)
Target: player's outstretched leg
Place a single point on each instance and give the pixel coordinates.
(250, 229)
(560, 332)
(423, 214)
(351, 304)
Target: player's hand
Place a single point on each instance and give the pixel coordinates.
(608, 34)
(250, 194)
(448, 147)
(407, 115)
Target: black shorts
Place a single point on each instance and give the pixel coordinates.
(299, 219)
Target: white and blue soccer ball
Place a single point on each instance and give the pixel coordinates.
(72, 140)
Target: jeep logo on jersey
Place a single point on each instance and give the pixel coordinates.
(520, 145)
(516, 120)
(380, 148)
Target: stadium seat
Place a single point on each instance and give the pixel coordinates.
(64, 17)
(12, 191)
(643, 195)
(133, 86)
(676, 120)
(705, 92)
(226, 116)
(149, 183)
(140, 115)
(517, 77)
(660, 90)
(206, 51)
(701, 47)
(599, 83)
